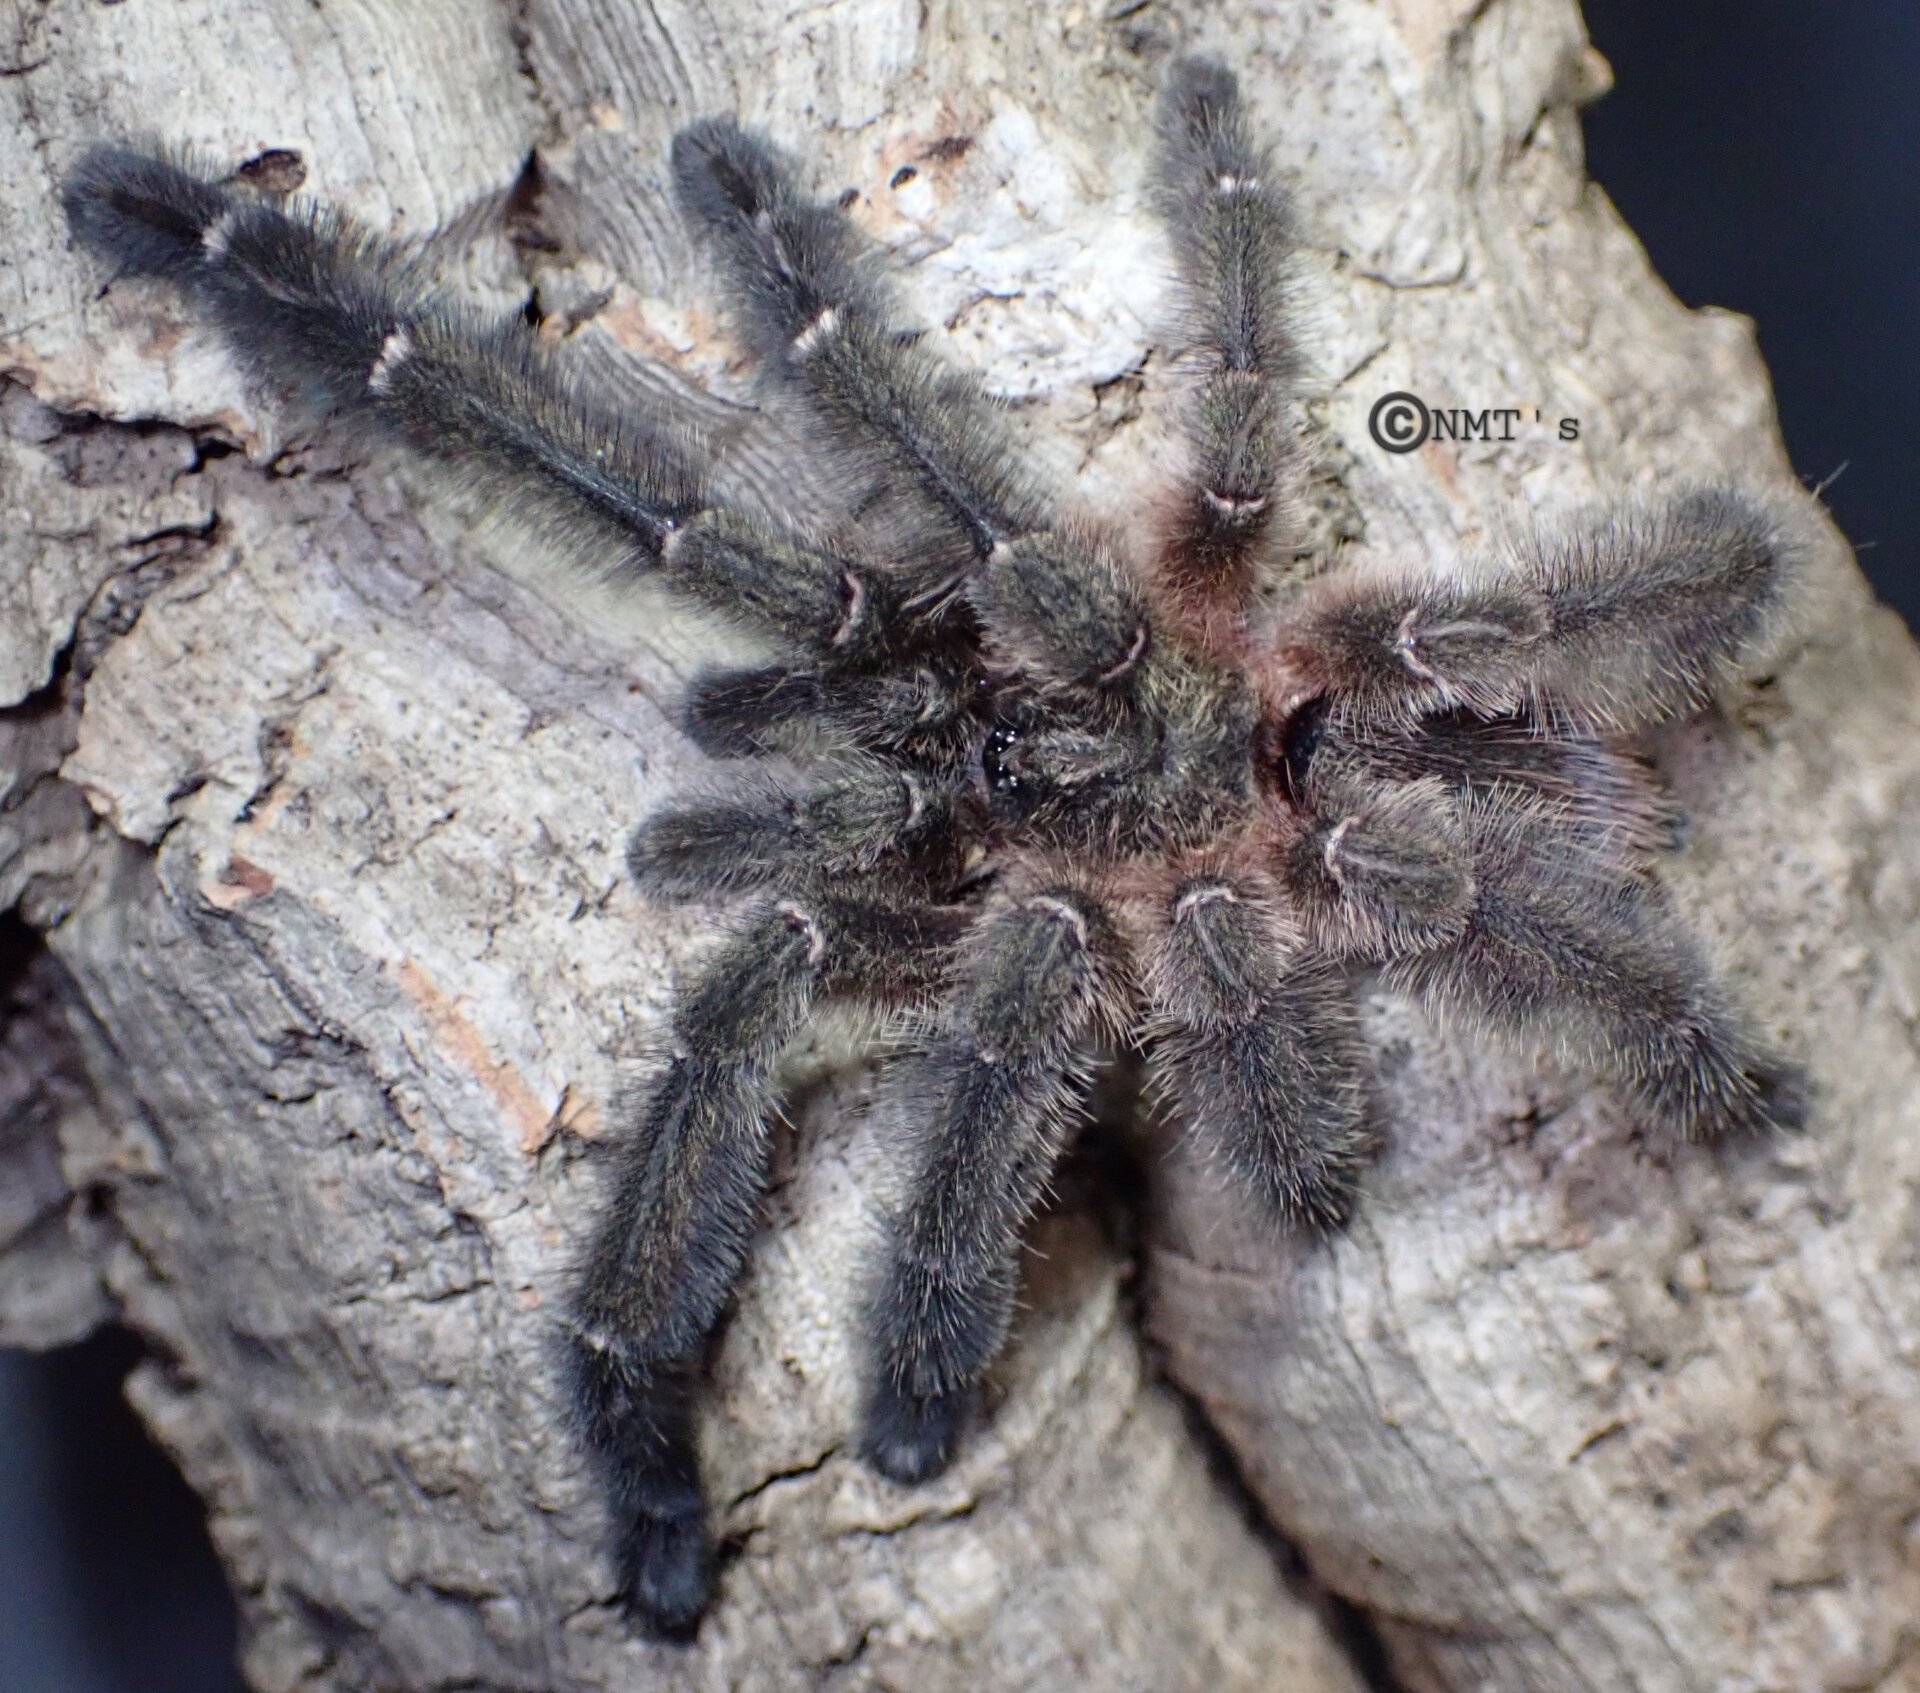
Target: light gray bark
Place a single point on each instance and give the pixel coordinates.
(318, 797)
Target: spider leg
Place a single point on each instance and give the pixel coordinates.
(1652, 612)
(810, 304)
(924, 711)
(1632, 621)
(1233, 239)
(857, 819)
(669, 1248)
(673, 1238)
(809, 300)
(1257, 1044)
(308, 300)
(1606, 792)
(995, 1090)
(1560, 944)
(753, 710)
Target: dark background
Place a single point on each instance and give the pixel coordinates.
(1765, 151)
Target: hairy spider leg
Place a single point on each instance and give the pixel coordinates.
(1254, 1040)
(934, 470)
(308, 301)
(673, 1238)
(939, 482)
(1606, 794)
(1621, 625)
(1568, 950)
(861, 818)
(670, 1246)
(985, 1109)
(1234, 242)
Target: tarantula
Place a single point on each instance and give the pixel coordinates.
(1027, 790)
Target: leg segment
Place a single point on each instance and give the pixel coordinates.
(932, 462)
(750, 712)
(937, 477)
(1233, 241)
(924, 712)
(1380, 870)
(1256, 1042)
(1609, 796)
(862, 818)
(668, 1250)
(673, 1238)
(993, 1098)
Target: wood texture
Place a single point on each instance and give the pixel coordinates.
(318, 798)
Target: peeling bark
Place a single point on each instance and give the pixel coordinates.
(317, 795)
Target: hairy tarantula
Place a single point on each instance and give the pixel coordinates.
(1031, 792)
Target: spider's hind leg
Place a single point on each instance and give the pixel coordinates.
(995, 1091)
(673, 1237)
(1562, 944)
(668, 1249)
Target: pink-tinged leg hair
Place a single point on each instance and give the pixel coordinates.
(1233, 240)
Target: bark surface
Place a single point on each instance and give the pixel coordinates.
(315, 797)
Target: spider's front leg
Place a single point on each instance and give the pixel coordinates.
(1234, 241)
(1256, 1040)
(939, 479)
(987, 1106)
(934, 471)
(314, 305)
(673, 1237)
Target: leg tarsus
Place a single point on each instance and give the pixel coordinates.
(1716, 1084)
(637, 1421)
(666, 1571)
(909, 1437)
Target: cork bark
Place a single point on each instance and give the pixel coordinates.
(326, 982)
